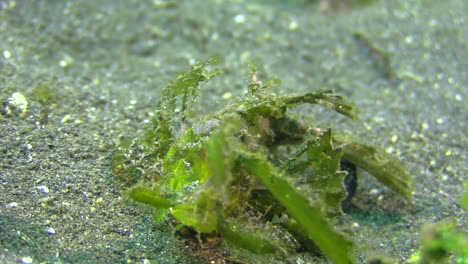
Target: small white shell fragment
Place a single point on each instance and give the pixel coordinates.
(17, 102)
(293, 25)
(227, 95)
(26, 260)
(43, 188)
(6, 54)
(239, 19)
(65, 119)
(50, 231)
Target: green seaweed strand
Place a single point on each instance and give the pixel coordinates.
(332, 243)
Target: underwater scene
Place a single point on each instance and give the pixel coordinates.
(234, 131)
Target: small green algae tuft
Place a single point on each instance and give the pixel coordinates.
(250, 166)
(439, 242)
